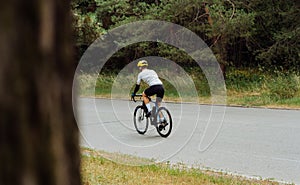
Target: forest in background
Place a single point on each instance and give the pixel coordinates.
(252, 34)
(255, 42)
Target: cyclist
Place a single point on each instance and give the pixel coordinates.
(155, 85)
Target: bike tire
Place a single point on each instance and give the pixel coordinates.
(140, 120)
(164, 131)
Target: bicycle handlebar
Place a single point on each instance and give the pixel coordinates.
(137, 95)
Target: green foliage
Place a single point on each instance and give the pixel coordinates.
(244, 87)
(86, 83)
(284, 52)
(283, 86)
(276, 36)
(241, 33)
(244, 80)
(263, 88)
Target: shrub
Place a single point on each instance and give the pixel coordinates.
(283, 86)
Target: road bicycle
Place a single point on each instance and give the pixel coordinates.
(159, 118)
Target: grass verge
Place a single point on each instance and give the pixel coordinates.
(98, 170)
(244, 88)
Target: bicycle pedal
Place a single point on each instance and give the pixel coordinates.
(161, 127)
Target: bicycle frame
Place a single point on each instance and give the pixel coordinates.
(144, 105)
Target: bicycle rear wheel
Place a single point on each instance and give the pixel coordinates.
(140, 120)
(164, 120)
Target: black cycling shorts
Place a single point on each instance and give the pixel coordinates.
(155, 89)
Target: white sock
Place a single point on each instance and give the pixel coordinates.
(148, 107)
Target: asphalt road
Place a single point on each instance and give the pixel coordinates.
(254, 142)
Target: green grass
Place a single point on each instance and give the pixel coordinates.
(244, 87)
(98, 170)
(256, 88)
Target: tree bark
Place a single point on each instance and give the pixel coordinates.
(219, 45)
(38, 132)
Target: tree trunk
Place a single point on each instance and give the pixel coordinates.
(219, 45)
(38, 132)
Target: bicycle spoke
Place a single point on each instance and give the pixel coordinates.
(140, 121)
(164, 126)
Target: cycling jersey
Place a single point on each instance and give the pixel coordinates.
(149, 76)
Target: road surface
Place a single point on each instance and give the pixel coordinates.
(254, 142)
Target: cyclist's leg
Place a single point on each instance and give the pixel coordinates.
(160, 92)
(146, 101)
(159, 97)
(148, 92)
(158, 103)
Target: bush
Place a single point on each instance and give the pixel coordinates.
(244, 80)
(283, 86)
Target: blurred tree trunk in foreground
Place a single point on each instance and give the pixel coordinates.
(38, 132)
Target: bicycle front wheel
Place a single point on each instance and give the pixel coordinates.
(164, 122)
(140, 120)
